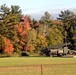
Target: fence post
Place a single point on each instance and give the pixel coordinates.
(41, 69)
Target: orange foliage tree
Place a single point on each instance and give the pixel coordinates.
(30, 47)
(7, 47)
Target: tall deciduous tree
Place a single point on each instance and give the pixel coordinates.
(31, 40)
(22, 30)
(46, 22)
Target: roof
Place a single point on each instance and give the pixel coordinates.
(58, 46)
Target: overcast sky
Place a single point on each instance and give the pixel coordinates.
(37, 7)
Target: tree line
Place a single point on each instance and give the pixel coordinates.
(19, 32)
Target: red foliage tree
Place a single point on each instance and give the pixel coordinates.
(22, 30)
(27, 23)
(36, 25)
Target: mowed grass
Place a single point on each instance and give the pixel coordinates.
(37, 66)
(22, 61)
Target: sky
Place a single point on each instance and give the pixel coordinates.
(36, 8)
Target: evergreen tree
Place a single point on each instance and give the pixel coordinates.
(69, 25)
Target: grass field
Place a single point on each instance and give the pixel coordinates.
(37, 66)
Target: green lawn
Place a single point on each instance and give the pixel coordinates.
(32, 66)
(21, 61)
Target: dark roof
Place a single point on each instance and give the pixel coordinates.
(58, 46)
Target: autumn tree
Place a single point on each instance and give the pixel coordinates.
(11, 17)
(31, 40)
(6, 45)
(22, 30)
(34, 24)
(46, 22)
(41, 42)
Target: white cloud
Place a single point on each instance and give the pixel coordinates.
(54, 13)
